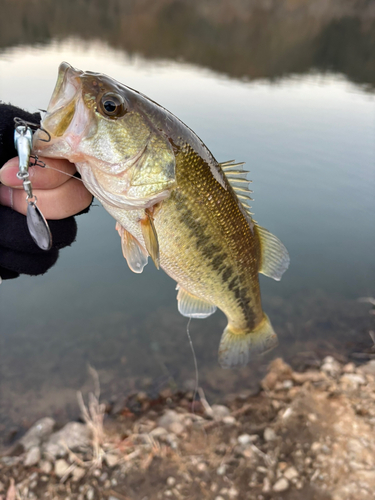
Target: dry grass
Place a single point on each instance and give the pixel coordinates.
(93, 416)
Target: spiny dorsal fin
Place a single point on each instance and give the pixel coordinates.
(274, 256)
(237, 178)
(230, 165)
(150, 236)
(133, 252)
(192, 306)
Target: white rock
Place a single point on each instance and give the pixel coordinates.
(353, 379)
(219, 497)
(90, 494)
(232, 492)
(78, 473)
(39, 432)
(45, 466)
(74, 436)
(220, 411)
(112, 459)
(220, 471)
(171, 439)
(244, 439)
(61, 467)
(32, 457)
(331, 366)
(158, 432)
(177, 428)
(287, 384)
(266, 485)
(202, 467)
(169, 419)
(269, 434)
(315, 446)
(291, 473)
(229, 420)
(281, 485)
(171, 481)
(349, 368)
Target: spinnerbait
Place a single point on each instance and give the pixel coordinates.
(36, 223)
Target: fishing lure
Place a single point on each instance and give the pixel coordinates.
(36, 222)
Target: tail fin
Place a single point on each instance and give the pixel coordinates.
(237, 348)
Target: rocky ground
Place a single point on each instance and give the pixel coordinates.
(304, 435)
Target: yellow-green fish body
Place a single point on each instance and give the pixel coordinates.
(172, 200)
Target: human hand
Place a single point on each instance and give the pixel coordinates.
(59, 197)
(59, 194)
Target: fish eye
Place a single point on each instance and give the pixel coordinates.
(112, 105)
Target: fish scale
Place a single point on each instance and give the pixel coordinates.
(220, 241)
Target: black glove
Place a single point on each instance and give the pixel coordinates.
(18, 252)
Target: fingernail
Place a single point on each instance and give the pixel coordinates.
(8, 174)
(6, 196)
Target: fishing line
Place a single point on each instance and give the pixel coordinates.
(196, 389)
(38, 164)
(195, 366)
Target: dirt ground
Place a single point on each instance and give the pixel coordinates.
(304, 435)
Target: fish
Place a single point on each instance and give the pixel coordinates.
(172, 201)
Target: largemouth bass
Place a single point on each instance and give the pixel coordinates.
(172, 201)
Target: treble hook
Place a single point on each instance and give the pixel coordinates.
(20, 122)
(46, 132)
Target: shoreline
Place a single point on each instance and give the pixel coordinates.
(302, 435)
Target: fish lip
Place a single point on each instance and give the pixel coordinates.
(67, 75)
(67, 91)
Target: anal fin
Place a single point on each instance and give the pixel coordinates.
(151, 238)
(192, 306)
(133, 252)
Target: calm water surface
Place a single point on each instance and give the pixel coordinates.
(308, 142)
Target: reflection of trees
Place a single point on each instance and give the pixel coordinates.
(243, 38)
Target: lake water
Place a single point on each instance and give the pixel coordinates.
(308, 141)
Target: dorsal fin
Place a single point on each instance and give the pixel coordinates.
(237, 178)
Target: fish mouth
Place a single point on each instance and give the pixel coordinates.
(66, 119)
(67, 85)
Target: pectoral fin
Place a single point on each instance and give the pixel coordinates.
(192, 306)
(274, 256)
(133, 252)
(150, 236)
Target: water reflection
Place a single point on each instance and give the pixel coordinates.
(308, 143)
(268, 39)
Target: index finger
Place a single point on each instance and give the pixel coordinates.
(56, 173)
